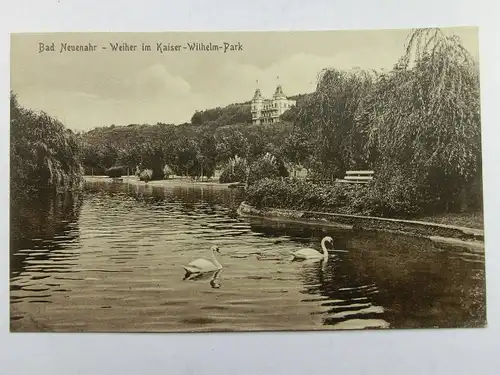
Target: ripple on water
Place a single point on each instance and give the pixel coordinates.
(115, 264)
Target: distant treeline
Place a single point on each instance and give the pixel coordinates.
(187, 150)
(217, 117)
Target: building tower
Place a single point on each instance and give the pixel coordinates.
(280, 102)
(257, 102)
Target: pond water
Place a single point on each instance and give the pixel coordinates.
(110, 259)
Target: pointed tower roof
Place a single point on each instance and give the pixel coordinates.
(279, 92)
(257, 95)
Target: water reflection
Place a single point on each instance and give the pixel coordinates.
(417, 280)
(212, 277)
(43, 232)
(420, 280)
(110, 260)
(343, 304)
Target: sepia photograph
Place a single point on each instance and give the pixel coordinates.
(246, 181)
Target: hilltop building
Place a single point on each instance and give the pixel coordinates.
(267, 111)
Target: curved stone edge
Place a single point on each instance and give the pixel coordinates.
(434, 231)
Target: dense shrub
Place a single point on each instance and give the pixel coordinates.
(268, 166)
(146, 175)
(115, 171)
(167, 171)
(372, 199)
(235, 171)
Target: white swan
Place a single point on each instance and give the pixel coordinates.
(313, 253)
(204, 265)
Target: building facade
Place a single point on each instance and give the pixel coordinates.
(268, 111)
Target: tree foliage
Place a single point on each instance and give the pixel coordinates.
(43, 153)
(326, 126)
(417, 126)
(423, 117)
(189, 150)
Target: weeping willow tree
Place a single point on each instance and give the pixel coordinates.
(43, 153)
(327, 119)
(423, 123)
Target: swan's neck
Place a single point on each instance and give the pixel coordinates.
(216, 262)
(323, 247)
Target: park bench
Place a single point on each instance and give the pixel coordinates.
(357, 177)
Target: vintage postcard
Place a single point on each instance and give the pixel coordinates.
(246, 181)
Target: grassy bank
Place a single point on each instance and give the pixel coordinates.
(369, 200)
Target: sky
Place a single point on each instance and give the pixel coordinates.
(91, 89)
